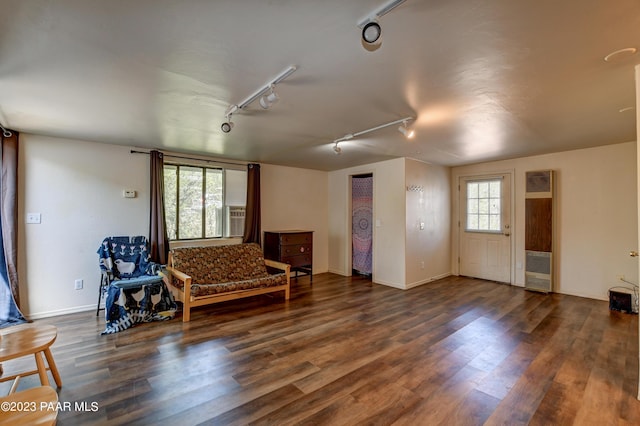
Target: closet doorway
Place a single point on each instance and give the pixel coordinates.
(362, 224)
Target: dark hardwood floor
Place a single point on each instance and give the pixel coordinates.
(344, 351)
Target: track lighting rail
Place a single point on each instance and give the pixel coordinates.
(268, 88)
(373, 129)
(403, 129)
(380, 12)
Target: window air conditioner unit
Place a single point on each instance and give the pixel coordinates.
(234, 216)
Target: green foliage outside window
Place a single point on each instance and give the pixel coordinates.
(194, 199)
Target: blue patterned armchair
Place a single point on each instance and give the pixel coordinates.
(125, 263)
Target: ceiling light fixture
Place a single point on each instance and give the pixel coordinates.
(407, 132)
(370, 25)
(349, 136)
(269, 98)
(228, 125)
(337, 149)
(371, 32)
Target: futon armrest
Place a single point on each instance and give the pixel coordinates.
(278, 265)
(179, 275)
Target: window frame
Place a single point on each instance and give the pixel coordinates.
(489, 180)
(203, 208)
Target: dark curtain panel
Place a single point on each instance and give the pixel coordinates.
(9, 297)
(158, 239)
(252, 216)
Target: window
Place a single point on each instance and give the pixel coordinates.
(204, 202)
(483, 205)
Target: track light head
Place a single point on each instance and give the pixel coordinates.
(371, 32)
(227, 125)
(408, 133)
(337, 149)
(269, 99)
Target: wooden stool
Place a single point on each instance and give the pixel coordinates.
(35, 406)
(30, 339)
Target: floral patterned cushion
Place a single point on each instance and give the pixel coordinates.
(220, 269)
(208, 289)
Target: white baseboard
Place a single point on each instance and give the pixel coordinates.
(47, 314)
(390, 284)
(428, 280)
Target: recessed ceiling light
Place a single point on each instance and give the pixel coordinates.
(618, 54)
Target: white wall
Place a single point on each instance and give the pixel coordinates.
(596, 220)
(77, 188)
(428, 250)
(399, 246)
(389, 220)
(294, 198)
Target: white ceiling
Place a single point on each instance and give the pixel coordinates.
(485, 79)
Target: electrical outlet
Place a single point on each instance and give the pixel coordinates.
(78, 284)
(422, 265)
(33, 218)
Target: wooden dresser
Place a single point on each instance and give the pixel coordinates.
(294, 247)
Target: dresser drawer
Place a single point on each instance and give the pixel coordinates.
(296, 249)
(296, 238)
(300, 260)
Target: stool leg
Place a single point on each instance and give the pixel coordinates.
(42, 369)
(53, 367)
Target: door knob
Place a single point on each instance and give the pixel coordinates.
(633, 253)
(506, 234)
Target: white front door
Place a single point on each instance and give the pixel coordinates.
(485, 228)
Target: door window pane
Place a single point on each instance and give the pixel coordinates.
(484, 206)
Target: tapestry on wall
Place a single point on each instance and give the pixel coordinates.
(362, 230)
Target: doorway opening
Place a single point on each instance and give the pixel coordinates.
(485, 245)
(362, 225)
